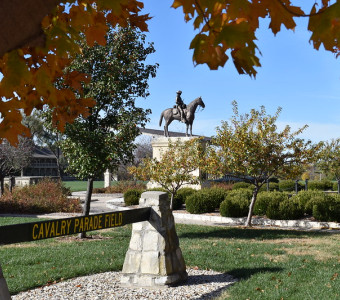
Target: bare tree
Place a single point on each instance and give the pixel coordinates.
(46, 135)
(14, 159)
(143, 150)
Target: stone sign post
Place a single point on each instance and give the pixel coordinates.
(154, 257)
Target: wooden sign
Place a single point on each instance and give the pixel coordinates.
(34, 231)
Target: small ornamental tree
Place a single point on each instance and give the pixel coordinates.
(14, 159)
(175, 167)
(250, 147)
(329, 159)
(119, 75)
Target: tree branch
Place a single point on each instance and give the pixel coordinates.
(299, 15)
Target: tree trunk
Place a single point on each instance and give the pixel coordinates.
(87, 204)
(2, 186)
(251, 207)
(172, 201)
(11, 183)
(58, 163)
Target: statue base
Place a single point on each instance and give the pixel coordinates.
(159, 147)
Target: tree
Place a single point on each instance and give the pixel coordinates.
(104, 139)
(329, 161)
(175, 168)
(223, 27)
(13, 159)
(251, 148)
(143, 150)
(46, 135)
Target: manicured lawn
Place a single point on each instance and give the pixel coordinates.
(270, 264)
(77, 186)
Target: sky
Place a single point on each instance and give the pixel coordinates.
(294, 76)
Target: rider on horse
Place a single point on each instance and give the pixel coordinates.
(180, 106)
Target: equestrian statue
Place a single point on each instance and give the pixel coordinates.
(181, 112)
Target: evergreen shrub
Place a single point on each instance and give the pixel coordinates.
(327, 208)
(216, 194)
(269, 202)
(181, 196)
(323, 185)
(132, 196)
(335, 186)
(290, 209)
(289, 186)
(242, 185)
(304, 197)
(236, 204)
(200, 203)
(273, 186)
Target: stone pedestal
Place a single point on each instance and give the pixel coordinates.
(107, 178)
(159, 146)
(154, 257)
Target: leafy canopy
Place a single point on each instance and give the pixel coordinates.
(119, 75)
(176, 166)
(252, 148)
(225, 28)
(329, 158)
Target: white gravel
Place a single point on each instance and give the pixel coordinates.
(201, 284)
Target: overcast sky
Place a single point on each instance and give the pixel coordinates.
(294, 76)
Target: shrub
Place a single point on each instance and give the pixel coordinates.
(223, 185)
(131, 197)
(199, 203)
(46, 196)
(178, 199)
(261, 204)
(181, 197)
(327, 208)
(242, 185)
(273, 186)
(304, 198)
(323, 185)
(236, 204)
(121, 187)
(268, 203)
(217, 195)
(290, 209)
(289, 186)
(335, 186)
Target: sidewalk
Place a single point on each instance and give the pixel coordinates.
(101, 203)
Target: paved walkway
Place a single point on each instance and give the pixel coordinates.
(101, 203)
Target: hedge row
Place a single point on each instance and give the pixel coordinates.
(235, 203)
(131, 197)
(278, 205)
(289, 186)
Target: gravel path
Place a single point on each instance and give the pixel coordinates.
(200, 285)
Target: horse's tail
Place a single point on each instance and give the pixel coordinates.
(160, 120)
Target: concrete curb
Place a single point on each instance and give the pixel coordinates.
(218, 220)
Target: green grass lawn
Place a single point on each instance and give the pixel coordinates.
(270, 264)
(77, 186)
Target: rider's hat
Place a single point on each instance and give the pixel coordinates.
(179, 92)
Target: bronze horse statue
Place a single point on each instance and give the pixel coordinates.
(171, 114)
